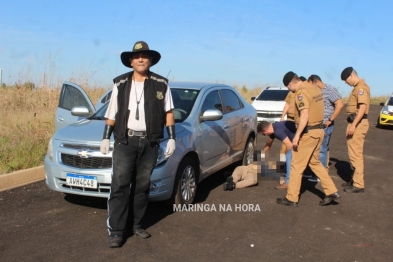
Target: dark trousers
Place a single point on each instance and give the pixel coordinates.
(133, 164)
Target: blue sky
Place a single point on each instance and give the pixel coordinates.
(240, 42)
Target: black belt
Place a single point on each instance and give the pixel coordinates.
(352, 116)
(319, 126)
(291, 117)
(131, 132)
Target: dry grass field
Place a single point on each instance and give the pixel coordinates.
(27, 117)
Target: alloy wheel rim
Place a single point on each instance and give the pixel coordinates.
(250, 153)
(188, 183)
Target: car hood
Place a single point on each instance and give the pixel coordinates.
(268, 105)
(388, 108)
(91, 131)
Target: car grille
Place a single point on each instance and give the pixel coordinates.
(103, 188)
(269, 114)
(91, 162)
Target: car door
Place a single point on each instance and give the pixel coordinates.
(71, 95)
(233, 121)
(215, 141)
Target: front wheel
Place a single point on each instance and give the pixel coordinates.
(186, 182)
(248, 155)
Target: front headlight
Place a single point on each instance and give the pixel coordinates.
(385, 112)
(161, 155)
(50, 150)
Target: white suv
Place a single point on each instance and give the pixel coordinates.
(270, 103)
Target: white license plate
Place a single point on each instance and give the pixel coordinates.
(81, 180)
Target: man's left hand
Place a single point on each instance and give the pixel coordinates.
(170, 147)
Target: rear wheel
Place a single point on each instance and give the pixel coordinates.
(186, 182)
(248, 155)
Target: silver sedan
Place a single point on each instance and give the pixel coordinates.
(215, 127)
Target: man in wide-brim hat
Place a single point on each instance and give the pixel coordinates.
(140, 47)
(138, 128)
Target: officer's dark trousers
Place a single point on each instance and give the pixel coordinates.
(133, 164)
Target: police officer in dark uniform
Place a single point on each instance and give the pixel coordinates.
(307, 141)
(358, 125)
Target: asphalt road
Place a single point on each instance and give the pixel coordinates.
(38, 224)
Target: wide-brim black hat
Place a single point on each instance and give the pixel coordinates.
(140, 46)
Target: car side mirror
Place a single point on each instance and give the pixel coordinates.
(382, 104)
(80, 111)
(211, 115)
(253, 98)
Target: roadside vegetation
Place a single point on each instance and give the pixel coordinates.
(27, 119)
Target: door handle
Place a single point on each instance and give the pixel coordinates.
(226, 126)
(60, 119)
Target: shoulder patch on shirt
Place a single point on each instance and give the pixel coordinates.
(300, 97)
(361, 91)
(159, 95)
(301, 104)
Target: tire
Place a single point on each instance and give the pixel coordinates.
(248, 155)
(186, 182)
(378, 124)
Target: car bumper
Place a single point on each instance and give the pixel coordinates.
(386, 120)
(161, 187)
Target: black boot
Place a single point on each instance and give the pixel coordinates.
(229, 185)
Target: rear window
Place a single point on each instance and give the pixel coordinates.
(273, 95)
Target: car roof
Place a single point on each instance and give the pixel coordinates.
(194, 85)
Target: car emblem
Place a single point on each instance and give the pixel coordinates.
(84, 153)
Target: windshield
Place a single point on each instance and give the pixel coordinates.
(390, 102)
(273, 95)
(183, 100)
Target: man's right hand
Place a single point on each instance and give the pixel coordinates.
(104, 148)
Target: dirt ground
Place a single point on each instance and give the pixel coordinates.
(38, 224)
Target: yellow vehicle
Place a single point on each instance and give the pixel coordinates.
(386, 115)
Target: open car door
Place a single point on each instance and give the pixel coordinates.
(71, 95)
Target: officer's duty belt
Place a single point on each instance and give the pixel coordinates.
(352, 116)
(319, 126)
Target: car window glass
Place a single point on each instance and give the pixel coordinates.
(390, 102)
(72, 97)
(101, 112)
(212, 101)
(273, 95)
(231, 100)
(107, 97)
(183, 102)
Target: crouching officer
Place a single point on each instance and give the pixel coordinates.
(307, 140)
(357, 110)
